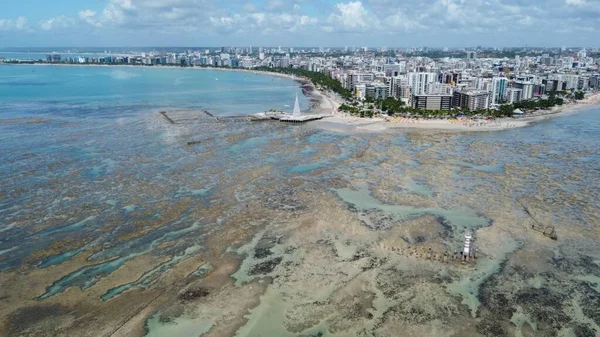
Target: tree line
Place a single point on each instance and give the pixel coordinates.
(392, 106)
(317, 78)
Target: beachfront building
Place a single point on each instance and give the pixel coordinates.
(360, 91)
(471, 99)
(432, 102)
(377, 90)
(351, 80)
(395, 85)
(526, 89)
(513, 95)
(499, 86)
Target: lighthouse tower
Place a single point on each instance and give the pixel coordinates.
(296, 111)
(467, 249)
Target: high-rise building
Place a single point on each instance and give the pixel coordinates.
(499, 86)
(526, 89)
(396, 84)
(471, 55)
(513, 95)
(360, 91)
(420, 82)
(377, 90)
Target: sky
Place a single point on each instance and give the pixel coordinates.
(299, 23)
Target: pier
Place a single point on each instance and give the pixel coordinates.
(300, 119)
(209, 114)
(197, 117)
(297, 116)
(445, 257)
(164, 114)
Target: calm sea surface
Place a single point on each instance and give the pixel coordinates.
(100, 90)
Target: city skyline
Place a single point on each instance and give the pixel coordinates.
(334, 23)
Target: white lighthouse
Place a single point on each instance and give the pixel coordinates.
(296, 111)
(467, 249)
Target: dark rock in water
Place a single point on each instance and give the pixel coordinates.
(446, 225)
(490, 329)
(544, 305)
(261, 253)
(193, 293)
(580, 264)
(500, 306)
(584, 331)
(359, 255)
(375, 219)
(35, 321)
(351, 207)
(590, 302)
(265, 267)
(318, 334)
(419, 239)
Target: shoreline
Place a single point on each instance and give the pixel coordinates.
(347, 123)
(322, 103)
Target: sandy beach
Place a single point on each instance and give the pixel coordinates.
(343, 122)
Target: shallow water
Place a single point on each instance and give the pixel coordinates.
(104, 202)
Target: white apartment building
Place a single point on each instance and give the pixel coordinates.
(513, 95)
(419, 82)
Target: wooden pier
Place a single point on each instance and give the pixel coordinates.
(300, 119)
(164, 114)
(210, 115)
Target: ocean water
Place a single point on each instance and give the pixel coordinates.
(37, 55)
(99, 90)
(102, 198)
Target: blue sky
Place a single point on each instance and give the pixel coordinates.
(401, 23)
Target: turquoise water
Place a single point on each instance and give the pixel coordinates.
(74, 89)
(42, 55)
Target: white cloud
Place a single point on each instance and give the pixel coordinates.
(115, 13)
(89, 16)
(526, 20)
(18, 24)
(258, 17)
(400, 21)
(360, 20)
(351, 16)
(56, 22)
